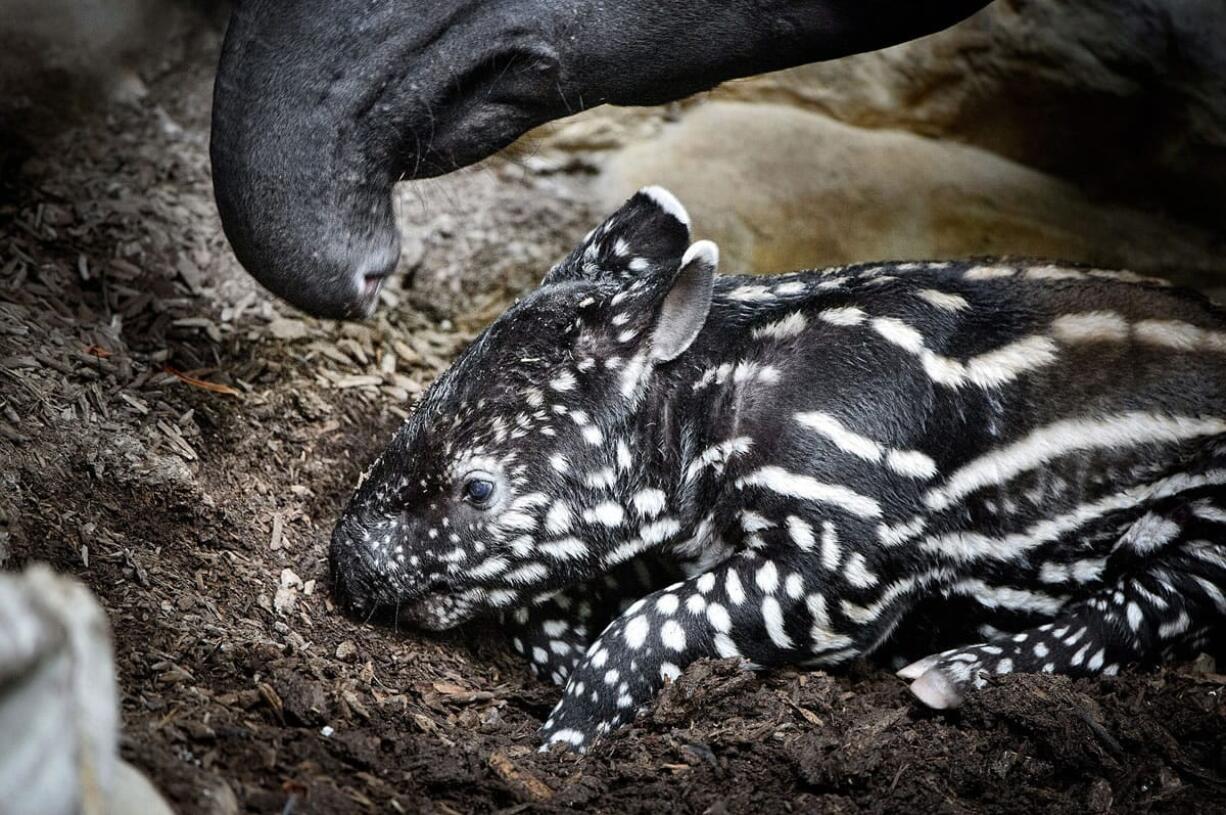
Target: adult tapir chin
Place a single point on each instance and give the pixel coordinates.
(322, 105)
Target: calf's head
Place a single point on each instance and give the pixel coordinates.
(515, 475)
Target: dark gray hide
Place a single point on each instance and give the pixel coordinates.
(642, 464)
(322, 105)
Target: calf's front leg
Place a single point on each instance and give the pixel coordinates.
(555, 632)
(759, 607)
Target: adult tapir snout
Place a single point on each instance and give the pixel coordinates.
(321, 106)
(326, 256)
(302, 181)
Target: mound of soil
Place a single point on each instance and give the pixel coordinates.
(182, 443)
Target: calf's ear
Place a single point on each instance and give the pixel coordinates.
(684, 309)
(649, 233)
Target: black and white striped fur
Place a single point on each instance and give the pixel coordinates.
(1023, 463)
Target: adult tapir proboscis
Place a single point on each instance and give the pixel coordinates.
(321, 106)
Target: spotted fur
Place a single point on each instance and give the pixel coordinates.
(995, 467)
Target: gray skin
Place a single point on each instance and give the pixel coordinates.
(321, 106)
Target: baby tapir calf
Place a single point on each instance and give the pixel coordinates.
(643, 463)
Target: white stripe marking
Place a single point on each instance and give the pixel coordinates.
(559, 518)
(805, 487)
(988, 272)
(1090, 326)
(717, 456)
(899, 533)
(856, 571)
(845, 316)
(608, 513)
(911, 463)
(1064, 437)
(943, 299)
(1007, 597)
(564, 549)
(732, 585)
(772, 615)
(831, 553)
(672, 635)
(800, 532)
(748, 294)
(843, 438)
(971, 546)
(648, 502)
(786, 328)
(990, 369)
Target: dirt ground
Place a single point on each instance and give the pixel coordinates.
(182, 443)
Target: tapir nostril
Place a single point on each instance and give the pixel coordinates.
(373, 269)
(372, 283)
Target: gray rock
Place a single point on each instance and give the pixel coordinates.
(58, 693)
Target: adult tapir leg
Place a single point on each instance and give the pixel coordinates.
(1169, 595)
(555, 633)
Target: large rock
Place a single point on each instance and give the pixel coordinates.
(59, 707)
(781, 188)
(1126, 97)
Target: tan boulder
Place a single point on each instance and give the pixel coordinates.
(781, 188)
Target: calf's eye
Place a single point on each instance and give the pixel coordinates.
(478, 491)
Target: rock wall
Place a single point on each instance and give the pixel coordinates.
(1091, 131)
(1127, 97)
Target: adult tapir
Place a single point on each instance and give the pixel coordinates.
(321, 106)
